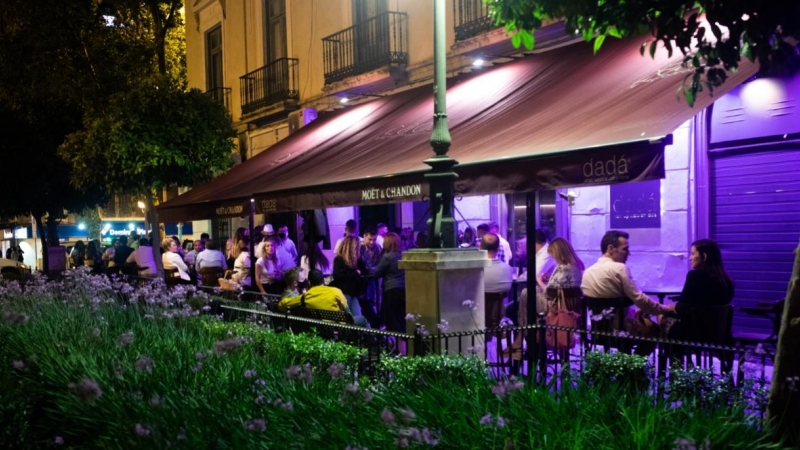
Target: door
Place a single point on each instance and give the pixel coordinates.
(371, 34)
(275, 30)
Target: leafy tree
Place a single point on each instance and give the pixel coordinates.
(59, 59)
(154, 136)
(763, 31)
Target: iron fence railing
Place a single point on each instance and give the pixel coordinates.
(269, 85)
(221, 95)
(378, 42)
(472, 18)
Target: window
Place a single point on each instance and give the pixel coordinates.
(275, 30)
(214, 59)
(367, 9)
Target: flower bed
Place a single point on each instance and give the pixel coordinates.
(83, 364)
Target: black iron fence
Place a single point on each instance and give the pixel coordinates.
(266, 86)
(378, 42)
(471, 18)
(221, 95)
(541, 353)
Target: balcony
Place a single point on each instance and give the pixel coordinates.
(471, 19)
(221, 95)
(269, 86)
(375, 43)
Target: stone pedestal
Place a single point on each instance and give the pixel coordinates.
(57, 258)
(437, 284)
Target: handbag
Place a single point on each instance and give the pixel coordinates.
(559, 316)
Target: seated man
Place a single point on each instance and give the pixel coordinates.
(609, 278)
(497, 279)
(210, 257)
(321, 297)
(142, 257)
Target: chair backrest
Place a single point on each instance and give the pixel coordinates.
(707, 324)
(593, 306)
(210, 275)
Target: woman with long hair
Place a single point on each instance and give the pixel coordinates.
(566, 277)
(393, 308)
(230, 250)
(241, 266)
(268, 272)
(348, 270)
(320, 261)
(707, 284)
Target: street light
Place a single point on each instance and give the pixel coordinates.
(142, 206)
(441, 225)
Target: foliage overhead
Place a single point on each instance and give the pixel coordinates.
(153, 136)
(712, 35)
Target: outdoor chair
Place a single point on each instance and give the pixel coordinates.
(703, 325)
(209, 276)
(171, 278)
(610, 314)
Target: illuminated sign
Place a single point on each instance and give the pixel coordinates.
(411, 190)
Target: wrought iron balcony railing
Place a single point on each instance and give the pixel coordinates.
(378, 42)
(471, 18)
(268, 85)
(221, 95)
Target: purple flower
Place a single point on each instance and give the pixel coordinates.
(443, 326)
(256, 425)
(351, 388)
(155, 402)
(96, 332)
(470, 304)
(142, 431)
(410, 316)
(227, 346)
(501, 422)
(486, 420)
(86, 389)
(14, 317)
(506, 322)
(197, 367)
(407, 415)
(278, 403)
(428, 438)
(300, 373)
(19, 365)
(259, 400)
(199, 355)
(260, 382)
(144, 364)
(58, 440)
(387, 417)
(401, 442)
(336, 370)
(249, 373)
(126, 339)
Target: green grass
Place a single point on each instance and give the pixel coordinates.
(211, 406)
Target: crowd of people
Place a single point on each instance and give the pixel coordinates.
(563, 284)
(364, 277)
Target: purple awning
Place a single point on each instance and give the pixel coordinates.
(561, 118)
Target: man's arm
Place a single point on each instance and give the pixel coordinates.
(645, 303)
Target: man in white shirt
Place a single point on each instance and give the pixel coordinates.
(497, 279)
(382, 229)
(143, 257)
(504, 252)
(609, 277)
(210, 257)
(287, 252)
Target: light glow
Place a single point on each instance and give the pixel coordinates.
(479, 62)
(344, 100)
(81, 226)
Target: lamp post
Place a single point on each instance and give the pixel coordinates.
(441, 225)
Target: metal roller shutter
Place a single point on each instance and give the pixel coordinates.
(755, 217)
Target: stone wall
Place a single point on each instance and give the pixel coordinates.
(659, 256)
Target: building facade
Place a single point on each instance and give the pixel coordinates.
(277, 64)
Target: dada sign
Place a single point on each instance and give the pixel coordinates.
(610, 169)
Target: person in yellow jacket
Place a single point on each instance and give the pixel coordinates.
(321, 297)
